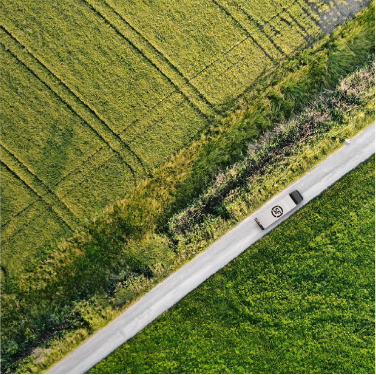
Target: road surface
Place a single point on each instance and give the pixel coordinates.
(228, 247)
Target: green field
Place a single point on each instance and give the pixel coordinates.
(98, 93)
(96, 97)
(301, 300)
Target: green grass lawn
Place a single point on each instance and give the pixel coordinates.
(301, 300)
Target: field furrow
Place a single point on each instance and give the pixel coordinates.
(17, 168)
(253, 28)
(62, 92)
(101, 128)
(239, 21)
(156, 58)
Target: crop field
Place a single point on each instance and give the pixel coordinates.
(301, 300)
(97, 93)
(93, 100)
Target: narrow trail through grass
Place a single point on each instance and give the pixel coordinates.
(104, 131)
(74, 104)
(38, 187)
(144, 46)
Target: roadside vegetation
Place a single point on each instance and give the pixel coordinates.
(98, 93)
(75, 288)
(299, 301)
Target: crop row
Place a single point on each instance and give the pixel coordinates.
(214, 77)
(122, 27)
(131, 91)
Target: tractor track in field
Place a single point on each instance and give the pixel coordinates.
(243, 28)
(302, 28)
(197, 106)
(307, 13)
(37, 187)
(186, 82)
(21, 229)
(131, 140)
(103, 131)
(15, 216)
(250, 19)
(261, 28)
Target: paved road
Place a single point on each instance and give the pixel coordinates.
(228, 247)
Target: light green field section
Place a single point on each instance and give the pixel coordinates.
(97, 93)
(97, 64)
(48, 137)
(219, 45)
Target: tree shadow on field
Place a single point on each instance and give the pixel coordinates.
(337, 12)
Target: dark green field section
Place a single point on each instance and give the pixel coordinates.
(97, 93)
(299, 301)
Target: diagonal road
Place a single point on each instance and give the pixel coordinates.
(228, 247)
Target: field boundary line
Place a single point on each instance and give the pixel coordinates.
(197, 100)
(242, 27)
(164, 58)
(104, 131)
(38, 187)
(66, 97)
(307, 13)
